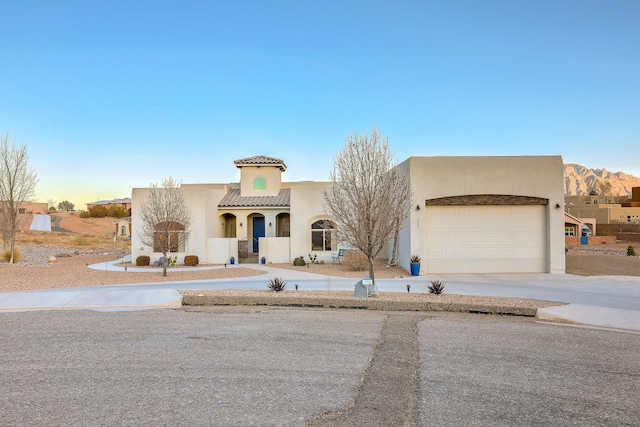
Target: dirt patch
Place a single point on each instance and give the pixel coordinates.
(604, 260)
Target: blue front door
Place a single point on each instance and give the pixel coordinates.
(258, 231)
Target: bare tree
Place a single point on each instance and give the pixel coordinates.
(370, 198)
(17, 185)
(166, 220)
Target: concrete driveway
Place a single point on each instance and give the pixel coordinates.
(41, 222)
(609, 301)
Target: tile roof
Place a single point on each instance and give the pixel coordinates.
(233, 199)
(261, 161)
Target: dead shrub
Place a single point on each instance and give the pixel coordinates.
(82, 240)
(356, 261)
(191, 260)
(6, 254)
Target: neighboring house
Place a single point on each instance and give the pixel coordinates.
(610, 213)
(31, 207)
(124, 203)
(471, 215)
(582, 231)
(123, 227)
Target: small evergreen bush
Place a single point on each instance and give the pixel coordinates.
(356, 261)
(191, 260)
(143, 260)
(85, 214)
(299, 262)
(277, 284)
(631, 251)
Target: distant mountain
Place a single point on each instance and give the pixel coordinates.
(579, 179)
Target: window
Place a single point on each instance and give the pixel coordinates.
(569, 231)
(324, 236)
(124, 231)
(171, 235)
(259, 184)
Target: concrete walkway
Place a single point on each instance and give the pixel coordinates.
(41, 222)
(606, 301)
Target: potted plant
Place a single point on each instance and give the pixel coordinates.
(233, 260)
(415, 265)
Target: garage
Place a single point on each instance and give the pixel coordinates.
(486, 238)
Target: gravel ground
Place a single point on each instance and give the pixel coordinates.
(69, 269)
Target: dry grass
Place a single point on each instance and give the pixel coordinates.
(71, 240)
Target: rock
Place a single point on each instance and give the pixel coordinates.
(52, 259)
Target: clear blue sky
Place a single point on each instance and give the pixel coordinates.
(113, 95)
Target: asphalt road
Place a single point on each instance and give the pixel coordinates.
(274, 366)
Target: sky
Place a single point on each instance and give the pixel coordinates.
(109, 96)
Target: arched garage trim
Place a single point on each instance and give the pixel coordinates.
(486, 200)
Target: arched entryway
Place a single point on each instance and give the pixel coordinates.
(283, 225)
(229, 225)
(257, 229)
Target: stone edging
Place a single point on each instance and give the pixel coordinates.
(354, 303)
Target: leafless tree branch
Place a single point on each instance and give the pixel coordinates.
(370, 198)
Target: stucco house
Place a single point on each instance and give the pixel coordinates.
(471, 215)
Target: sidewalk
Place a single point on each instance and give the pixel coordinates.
(606, 301)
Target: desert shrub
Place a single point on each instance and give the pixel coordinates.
(117, 211)
(356, 261)
(143, 260)
(191, 260)
(631, 251)
(299, 262)
(436, 287)
(5, 256)
(85, 214)
(277, 284)
(98, 211)
(52, 210)
(82, 240)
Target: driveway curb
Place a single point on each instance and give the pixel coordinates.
(353, 303)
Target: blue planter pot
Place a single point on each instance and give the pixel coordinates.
(233, 260)
(263, 260)
(415, 268)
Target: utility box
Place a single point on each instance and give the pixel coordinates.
(363, 288)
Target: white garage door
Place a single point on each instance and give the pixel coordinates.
(486, 239)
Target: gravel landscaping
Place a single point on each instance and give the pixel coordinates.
(53, 267)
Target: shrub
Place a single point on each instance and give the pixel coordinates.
(98, 211)
(6, 254)
(82, 240)
(631, 251)
(436, 287)
(277, 284)
(415, 259)
(299, 262)
(117, 211)
(85, 214)
(191, 260)
(356, 261)
(143, 260)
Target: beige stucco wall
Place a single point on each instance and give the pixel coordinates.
(307, 206)
(532, 176)
(203, 203)
(272, 176)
